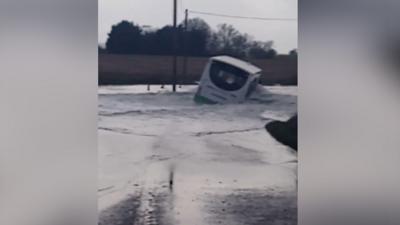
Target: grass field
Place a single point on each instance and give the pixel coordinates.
(148, 69)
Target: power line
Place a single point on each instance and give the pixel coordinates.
(242, 17)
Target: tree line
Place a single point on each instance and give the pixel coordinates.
(198, 39)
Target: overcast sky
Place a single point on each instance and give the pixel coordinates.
(158, 13)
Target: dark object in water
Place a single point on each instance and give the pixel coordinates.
(171, 180)
(284, 132)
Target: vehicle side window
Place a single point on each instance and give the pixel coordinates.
(252, 87)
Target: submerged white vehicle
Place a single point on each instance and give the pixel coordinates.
(227, 80)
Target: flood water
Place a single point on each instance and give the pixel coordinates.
(164, 159)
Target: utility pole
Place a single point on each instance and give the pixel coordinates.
(185, 42)
(174, 66)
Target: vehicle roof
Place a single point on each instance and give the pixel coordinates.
(246, 66)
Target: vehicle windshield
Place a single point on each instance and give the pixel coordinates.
(227, 77)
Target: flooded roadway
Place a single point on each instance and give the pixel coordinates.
(165, 160)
